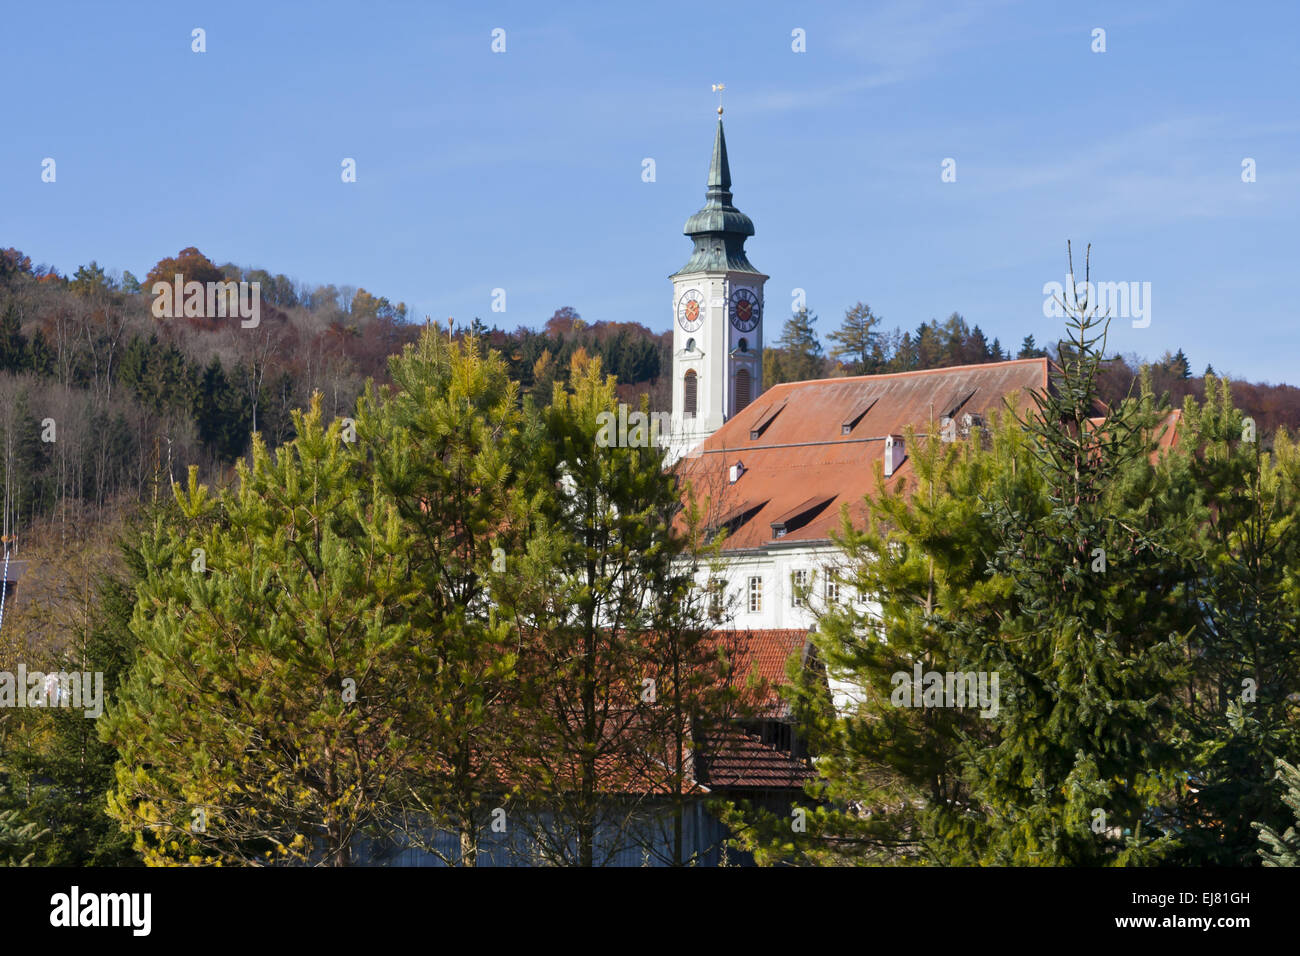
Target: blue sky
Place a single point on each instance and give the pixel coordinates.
(522, 170)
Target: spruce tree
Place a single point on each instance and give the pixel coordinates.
(1283, 849)
(20, 837)
(930, 346)
(13, 345)
(69, 770)
(1029, 349)
(857, 339)
(801, 357)
(1085, 763)
(891, 777)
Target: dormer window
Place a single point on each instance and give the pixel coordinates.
(765, 419)
(850, 423)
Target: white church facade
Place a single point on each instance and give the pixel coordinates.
(779, 464)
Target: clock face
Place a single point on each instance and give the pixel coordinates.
(690, 310)
(746, 310)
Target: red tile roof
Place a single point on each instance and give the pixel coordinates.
(803, 454)
(763, 654)
(1168, 431)
(730, 757)
(736, 759)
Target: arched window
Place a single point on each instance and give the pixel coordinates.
(742, 388)
(690, 394)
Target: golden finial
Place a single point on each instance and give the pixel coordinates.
(719, 88)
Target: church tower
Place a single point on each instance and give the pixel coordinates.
(717, 315)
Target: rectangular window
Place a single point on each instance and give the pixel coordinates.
(755, 595)
(832, 592)
(798, 585)
(717, 596)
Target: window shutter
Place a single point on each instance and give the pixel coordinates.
(742, 388)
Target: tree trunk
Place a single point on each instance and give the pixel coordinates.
(468, 845)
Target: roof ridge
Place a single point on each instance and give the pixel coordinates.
(917, 371)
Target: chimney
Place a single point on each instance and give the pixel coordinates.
(894, 454)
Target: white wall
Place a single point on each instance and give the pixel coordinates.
(775, 567)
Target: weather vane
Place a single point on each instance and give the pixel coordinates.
(719, 88)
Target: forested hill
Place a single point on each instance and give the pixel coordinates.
(133, 399)
(102, 403)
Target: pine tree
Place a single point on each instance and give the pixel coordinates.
(1245, 651)
(695, 691)
(592, 586)
(447, 444)
(258, 723)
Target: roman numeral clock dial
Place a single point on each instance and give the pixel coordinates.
(746, 309)
(690, 310)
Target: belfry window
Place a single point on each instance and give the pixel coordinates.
(690, 394)
(742, 388)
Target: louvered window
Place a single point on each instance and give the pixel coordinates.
(690, 394)
(742, 388)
